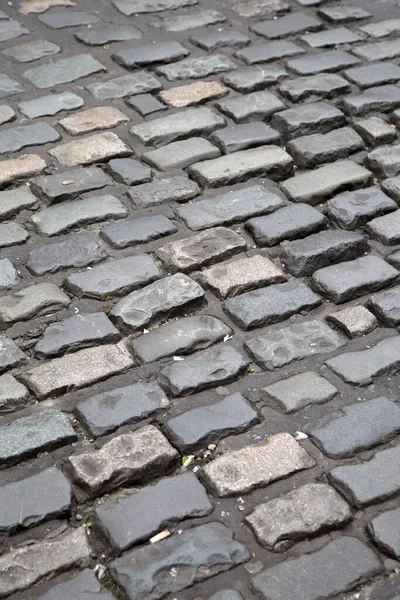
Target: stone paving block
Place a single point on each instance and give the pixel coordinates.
(332, 37)
(12, 233)
(32, 301)
(183, 336)
(194, 556)
(394, 259)
(376, 74)
(202, 249)
(354, 278)
(13, 395)
(371, 481)
(287, 223)
(77, 370)
(312, 150)
(33, 500)
(60, 218)
(255, 8)
(336, 568)
(105, 412)
(271, 305)
(45, 430)
(95, 148)
(158, 300)
(179, 155)
(227, 595)
(354, 320)
(161, 52)
(234, 277)
(25, 165)
(375, 131)
(249, 79)
(385, 161)
(318, 117)
(63, 71)
(391, 186)
(343, 14)
(303, 257)
(145, 104)
(208, 368)
(379, 51)
(76, 332)
(262, 53)
(351, 210)
(197, 68)
(193, 93)
(294, 342)
(383, 98)
(129, 458)
(129, 171)
(17, 138)
(136, 518)
(228, 208)
(300, 514)
(125, 85)
(201, 426)
(137, 231)
(296, 392)
(192, 20)
(384, 530)
(67, 18)
(43, 560)
(177, 188)
(114, 278)
(8, 274)
(386, 306)
(386, 229)
(182, 124)
(110, 33)
(247, 135)
(382, 28)
(11, 29)
(31, 51)
(362, 366)
(294, 22)
(69, 184)
(40, 6)
(219, 39)
(10, 354)
(50, 105)
(315, 186)
(80, 587)
(7, 114)
(360, 426)
(329, 61)
(9, 87)
(259, 105)
(255, 466)
(325, 85)
(270, 161)
(130, 7)
(101, 117)
(14, 200)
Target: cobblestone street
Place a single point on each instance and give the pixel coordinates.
(199, 299)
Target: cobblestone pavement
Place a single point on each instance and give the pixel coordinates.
(200, 299)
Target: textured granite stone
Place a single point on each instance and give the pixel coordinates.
(138, 231)
(32, 301)
(13, 395)
(10, 355)
(125, 85)
(298, 391)
(63, 71)
(69, 184)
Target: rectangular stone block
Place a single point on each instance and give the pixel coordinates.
(177, 188)
(331, 61)
(95, 148)
(32, 301)
(10, 355)
(295, 22)
(248, 79)
(151, 53)
(316, 149)
(258, 105)
(63, 71)
(330, 38)
(15, 200)
(137, 231)
(318, 117)
(386, 229)
(298, 391)
(244, 136)
(324, 85)
(379, 51)
(386, 306)
(197, 68)
(16, 138)
(383, 98)
(262, 53)
(25, 165)
(125, 85)
(351, 210)
(69, 184)
(179, 155)
(84, 583)
(130, 7)
(191, 20)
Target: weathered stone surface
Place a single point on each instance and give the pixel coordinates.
(382, 28)
(95, 148)
(178, 188)
(114, 278)
(202, 249)
(354, 320)
(262, 53)
(130, 7)
(7, 114)
(8, 274)
(386, 305)
(38, 498)
(236, 205)
(129, 171)
(138, 231)
(17, 138)
(40, 6)
(25, 165)
(81, 587)
(50, 105)
(242, 471)
(252, 106)
(197, 68)
(179, 337)
(11, 29)
(337, 567)
(343, 14)
(10, 354)
(63, 71)
(385, 161)
(295, 22)
(162, 298)
(303, 257)
(376, 74)
(67, 18)
(77, 370)
(13, 395)
(300, 514)
(32, 301)
(394, 259)
(271, 305)
(230, 278)
(298, 391)
(105, 412)
(179, 155)
(313, 150)
(109, 33)
(69, 184)
(101, 117)
(60, 218)
(325, 85)
(135, 518)
(354, 278)
(386, 229)
(218, 39)
(375, 131)
(185, 559)
(201, 426)
(9, 87)
(287, 223)
(30, 51)
(249, 79)
(181, 124)
(208, 368)
(255, 8)
(369, 482)
(193, 93)
(294, 342)
(271, 161)
(385, 531)
(125, 85)
(332, 60)
(351, 210)
(381, 51)
(129, 458)
(332, 37)
(391, 186)
(25, 437)
(227, 595)
(42, 560)
(361, 367)
(247, 135)
(12, 233)
(159, 52)
(315, 186)
(383, 98)
(194, 19)
(318, 117)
